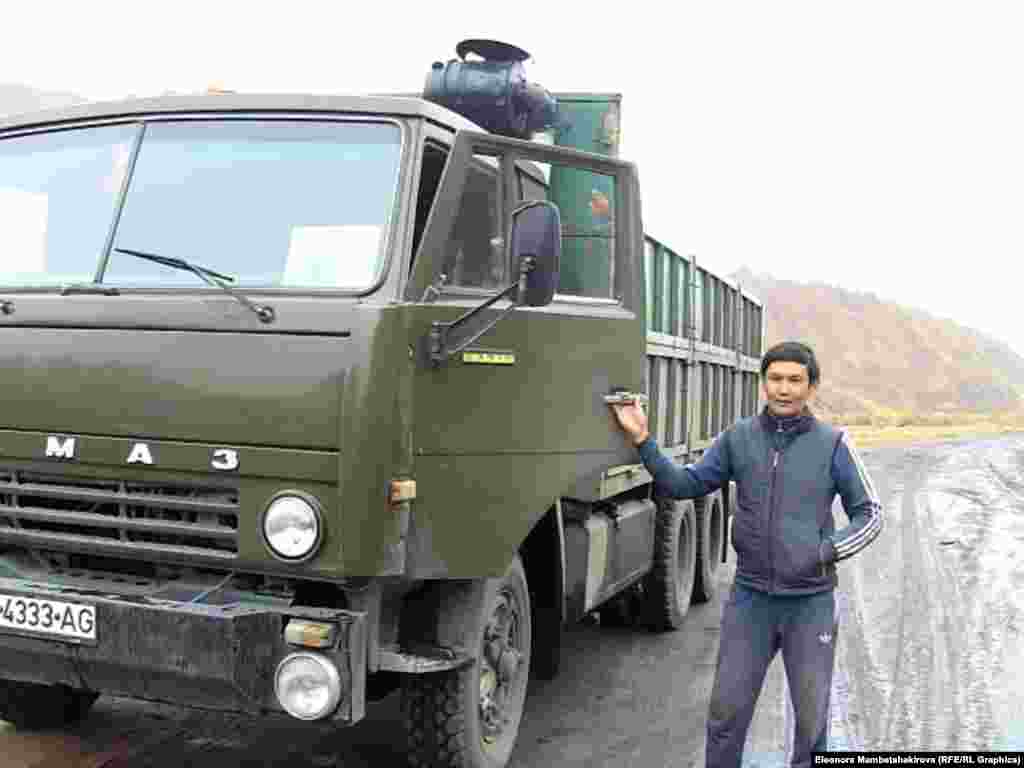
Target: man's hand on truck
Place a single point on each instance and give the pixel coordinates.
(633, 420)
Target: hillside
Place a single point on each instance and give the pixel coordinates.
(879, 357)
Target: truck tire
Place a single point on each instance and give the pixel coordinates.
(710, 525)
(32, 706)
(668, 587)
(469, 717)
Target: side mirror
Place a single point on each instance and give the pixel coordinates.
(537, 234)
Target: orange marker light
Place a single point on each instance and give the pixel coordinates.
(402, 490)
(310, 634)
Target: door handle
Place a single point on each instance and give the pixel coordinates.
(626, 398)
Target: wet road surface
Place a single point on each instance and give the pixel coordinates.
(929, 657)
(933, 654)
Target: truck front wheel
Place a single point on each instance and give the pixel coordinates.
(32, 706)
(469, 717)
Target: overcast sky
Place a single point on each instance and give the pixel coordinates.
(874, 145)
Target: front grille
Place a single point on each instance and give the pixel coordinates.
(121, 516)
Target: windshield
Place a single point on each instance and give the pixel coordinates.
(58, 193)
(277, 204)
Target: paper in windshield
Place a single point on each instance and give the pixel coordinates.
(332, 256)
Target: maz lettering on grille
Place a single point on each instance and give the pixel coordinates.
(58, 447)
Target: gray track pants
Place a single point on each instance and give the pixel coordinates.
(756, 625)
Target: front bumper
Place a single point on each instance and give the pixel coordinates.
(187, 653)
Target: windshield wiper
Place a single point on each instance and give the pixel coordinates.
(96, 288)
(264, 312)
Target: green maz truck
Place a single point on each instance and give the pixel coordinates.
(304, 402)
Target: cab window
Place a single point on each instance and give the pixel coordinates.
(475, 255)
(434, 159)
(531, 188)
(585, 200)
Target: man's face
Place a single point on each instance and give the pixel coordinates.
(787, 388)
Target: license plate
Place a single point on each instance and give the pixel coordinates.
(50, 618)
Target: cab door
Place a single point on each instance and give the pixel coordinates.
(517, 419)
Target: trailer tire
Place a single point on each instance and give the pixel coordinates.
(33, 706)
(668, 587)
(710, 526)
(448, 721)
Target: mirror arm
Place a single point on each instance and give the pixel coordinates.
(439, 337)
(439, 332)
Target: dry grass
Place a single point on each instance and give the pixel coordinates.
(885, 427)
(868, 436)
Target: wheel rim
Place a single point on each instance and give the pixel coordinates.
(501, 669)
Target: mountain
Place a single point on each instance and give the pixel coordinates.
(878, 356)
(21, 98)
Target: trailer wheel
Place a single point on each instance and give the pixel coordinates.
(32, 706)
(469, 717)
(669, 585)
(710, 525)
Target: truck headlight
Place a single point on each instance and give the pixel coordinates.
(308, 686)
(292, 526)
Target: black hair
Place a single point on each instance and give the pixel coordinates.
(793, 352)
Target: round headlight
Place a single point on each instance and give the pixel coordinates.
(308, 686)
(291, 527)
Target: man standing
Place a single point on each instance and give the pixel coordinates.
(788, 468)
